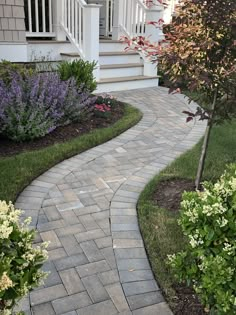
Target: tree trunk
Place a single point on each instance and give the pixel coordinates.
(205, 144)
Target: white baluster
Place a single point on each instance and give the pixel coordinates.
(29, 16)
(37, 15)
(43, 17)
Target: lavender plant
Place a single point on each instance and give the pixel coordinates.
(34, 106)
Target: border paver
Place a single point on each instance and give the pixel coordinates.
(86, 206)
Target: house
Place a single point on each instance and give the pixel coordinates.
(53, 30)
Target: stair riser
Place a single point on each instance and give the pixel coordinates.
(119, 59)
(109, 47)
(129, 85)
(120, 72)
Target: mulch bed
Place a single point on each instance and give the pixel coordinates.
(168, 195)
(62, 134)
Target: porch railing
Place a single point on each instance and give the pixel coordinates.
(73, 12)
(38, 18)
(133, 17)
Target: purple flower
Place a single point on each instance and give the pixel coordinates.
(34, 106)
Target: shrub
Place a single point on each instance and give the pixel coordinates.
(7, 69)
(34, 106)
(20, 260)
(104, 103)
(209, 263)
(107, 99)
(81, 70)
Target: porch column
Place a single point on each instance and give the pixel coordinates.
(117, 20)
(154, 13)
(91, 35)
(57, 14)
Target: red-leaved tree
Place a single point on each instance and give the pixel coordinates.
(198, 55)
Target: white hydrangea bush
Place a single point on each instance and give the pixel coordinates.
(20, 261)
(208, 219)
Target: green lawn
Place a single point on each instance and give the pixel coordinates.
(18, 171)
(162, 235)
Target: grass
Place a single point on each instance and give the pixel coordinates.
(161, 233)
(18, 171)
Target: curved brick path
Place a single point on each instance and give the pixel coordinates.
(86, 207)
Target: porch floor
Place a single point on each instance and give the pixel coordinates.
(86, 208)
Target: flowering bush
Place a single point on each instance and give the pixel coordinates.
(208, 219)
(20, 261)
(103, 105)
(106, 99)
(34, 106)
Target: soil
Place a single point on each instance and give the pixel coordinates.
(62, 134)
(168, 195)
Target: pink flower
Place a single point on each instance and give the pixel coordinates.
(102, 108)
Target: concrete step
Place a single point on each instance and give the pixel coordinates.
(121, 70)
(126, 83)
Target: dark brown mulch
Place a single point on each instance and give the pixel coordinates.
(62, 134)
(168, 195)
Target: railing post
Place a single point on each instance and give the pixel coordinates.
(154, 13)
(57, 11)
(118, 15)
(91, 38)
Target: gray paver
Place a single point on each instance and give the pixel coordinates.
(106, 307)
(95, 289)
(133, 264)
(45, 308)
(86, 206)
(71, 245)
(156, 309)
(72, 302)
(91, 251)
(71, 281)
(48, 294)
(118, 298)
(89, 235)
(109, 277)
(70, 262)
(146, 299)
(133, 288)
(52, 238)
(93, 268)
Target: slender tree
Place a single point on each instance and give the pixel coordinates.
(199, 55)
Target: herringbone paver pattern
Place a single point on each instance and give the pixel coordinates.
(86, 207)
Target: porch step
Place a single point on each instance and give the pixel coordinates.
(39, 42)
(70, 55)
(109, 41)
(111, 45)
(118, 57)
(119, 84)
(121, 70)
(118, 53)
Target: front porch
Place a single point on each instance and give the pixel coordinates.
(71, 29)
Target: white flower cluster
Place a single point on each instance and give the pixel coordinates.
(195, 239)
(8, 217)
(18, 256)
(5, 282)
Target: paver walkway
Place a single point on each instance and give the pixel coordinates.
(86, 207)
